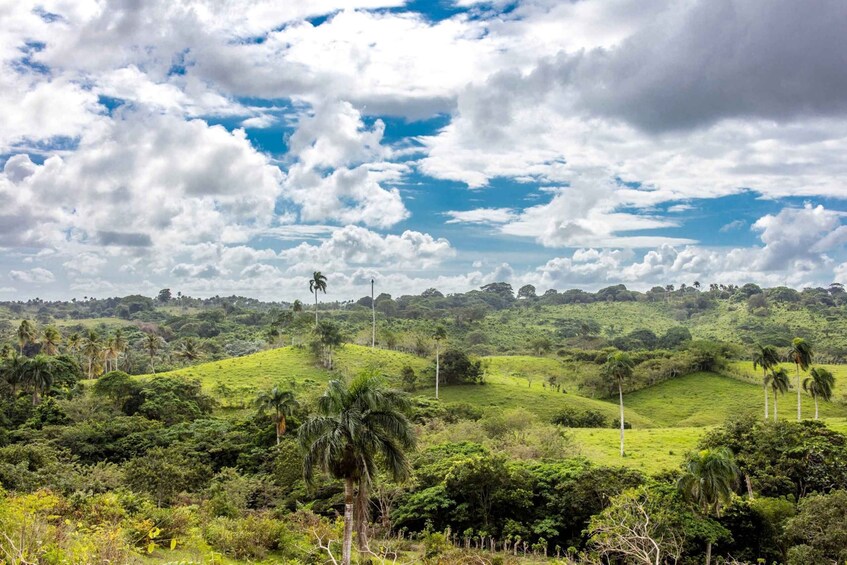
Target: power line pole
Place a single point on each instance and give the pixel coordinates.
(373, 316)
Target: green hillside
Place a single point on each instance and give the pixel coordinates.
(744, 370)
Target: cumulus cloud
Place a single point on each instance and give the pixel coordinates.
(37, 275)
(481, 216)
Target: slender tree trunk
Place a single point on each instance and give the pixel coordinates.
(347, 545)
(316, 309)
(815, 396)
(620, 395)
(437, 367)
(799, 417)
(775, 417)
(361, 514)
(708, 553)
(766, 401)
(152, 366)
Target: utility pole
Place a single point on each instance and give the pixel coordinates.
(373, 316)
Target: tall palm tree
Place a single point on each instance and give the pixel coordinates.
(12, 370)
(91, 349)
(74, 343)
(152, 343)
(50, 340)
(120, 346)
(778, 379)
(317, 283)
(619, 368)
(189, 350)
(709, 478)
(819, 384)
(801, 355)
(282, 403)
(439, 334)
(110, 353)
(358, 426)
(766, 357)
(38, 374)
(26, 334)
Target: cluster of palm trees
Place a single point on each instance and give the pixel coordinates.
(818, 384)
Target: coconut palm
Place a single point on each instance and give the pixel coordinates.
(819, 384)
(439, 334)
(38, 374)
(317, 283)
(778, 379)
(120, 346)
(50, 340)
(12, 371)
(189, 350)
(74, 343)
(619, 368)
(766, 357)
(91, 349)
(282, 403)
(26, 334)
(709, 478)
(152, 344)
(358, 426)
(801, 355)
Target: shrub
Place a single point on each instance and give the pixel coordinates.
(251, 537)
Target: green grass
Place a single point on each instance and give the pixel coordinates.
(705, 399)
(744, 370)
(648, 450)
(527, 368)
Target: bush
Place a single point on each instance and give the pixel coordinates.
(570, 418)
(246, 538)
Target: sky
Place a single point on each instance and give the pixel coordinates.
(234, 147)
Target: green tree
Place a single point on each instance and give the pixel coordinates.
(709, 478)
(12, 370)
(357, 427)
(317, 283)
(819, 529)
(120, 346)
(26, 334)
(328, 338)
(91, 350)
(438, 335)
(801, 355)
(50, 340)
(152, 344)
(819, 384)
(778, 379)
(74, 344)
(766, 357)
(282, 403)
(619, 367)
(189, 350)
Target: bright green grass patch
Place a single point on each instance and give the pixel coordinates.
(744, 370)
(648, 450)
(704, 399)
(503, 393)
(531, 369)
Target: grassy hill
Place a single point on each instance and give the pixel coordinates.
(744, 370)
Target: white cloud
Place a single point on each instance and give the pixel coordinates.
(37, 275)
(481, 216)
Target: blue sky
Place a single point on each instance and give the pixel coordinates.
(235, 148)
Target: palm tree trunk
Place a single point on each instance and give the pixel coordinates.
(708, 553)
(316, 308)
(361, 517)
(815, 396)
(620, 395)
(799, 417)
(766, 401)
(437, 367)
(775, 418)
(347, 546)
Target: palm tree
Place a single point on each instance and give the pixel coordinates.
(297, 306)
(819, 383)
(329, 337)
(120, 346)
(110, 351)
(26, 334)
(283, 403)
(801, 355)
(152, 343)
(12, 370)
(38, 373)
(74, 343)
(439, 334)
(189, 350)
(317, 283)
(709, 478)
(91, 349)
(619, 367)
(766, 357)
(357, 426)
(50, 339)
(778, 379)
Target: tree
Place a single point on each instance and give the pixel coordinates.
(801, 355)
(120, 346)
(164, 295)
(152, 343)
(26, 334)
(619, 368)
(709, 478)
(282, 403)
(74, 343)
(297, 306)
(527, 291)
(50, 340)
(819, 529)
(189, 350)
(328, 338)
(12, 370)
(438, 334)
(91, 349)
(317, 283)
(357, 426)
(778, 379)
(38, 373)
(819, 384)
(766, 357)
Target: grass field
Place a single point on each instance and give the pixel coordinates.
(648, 450)
(744, 370)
